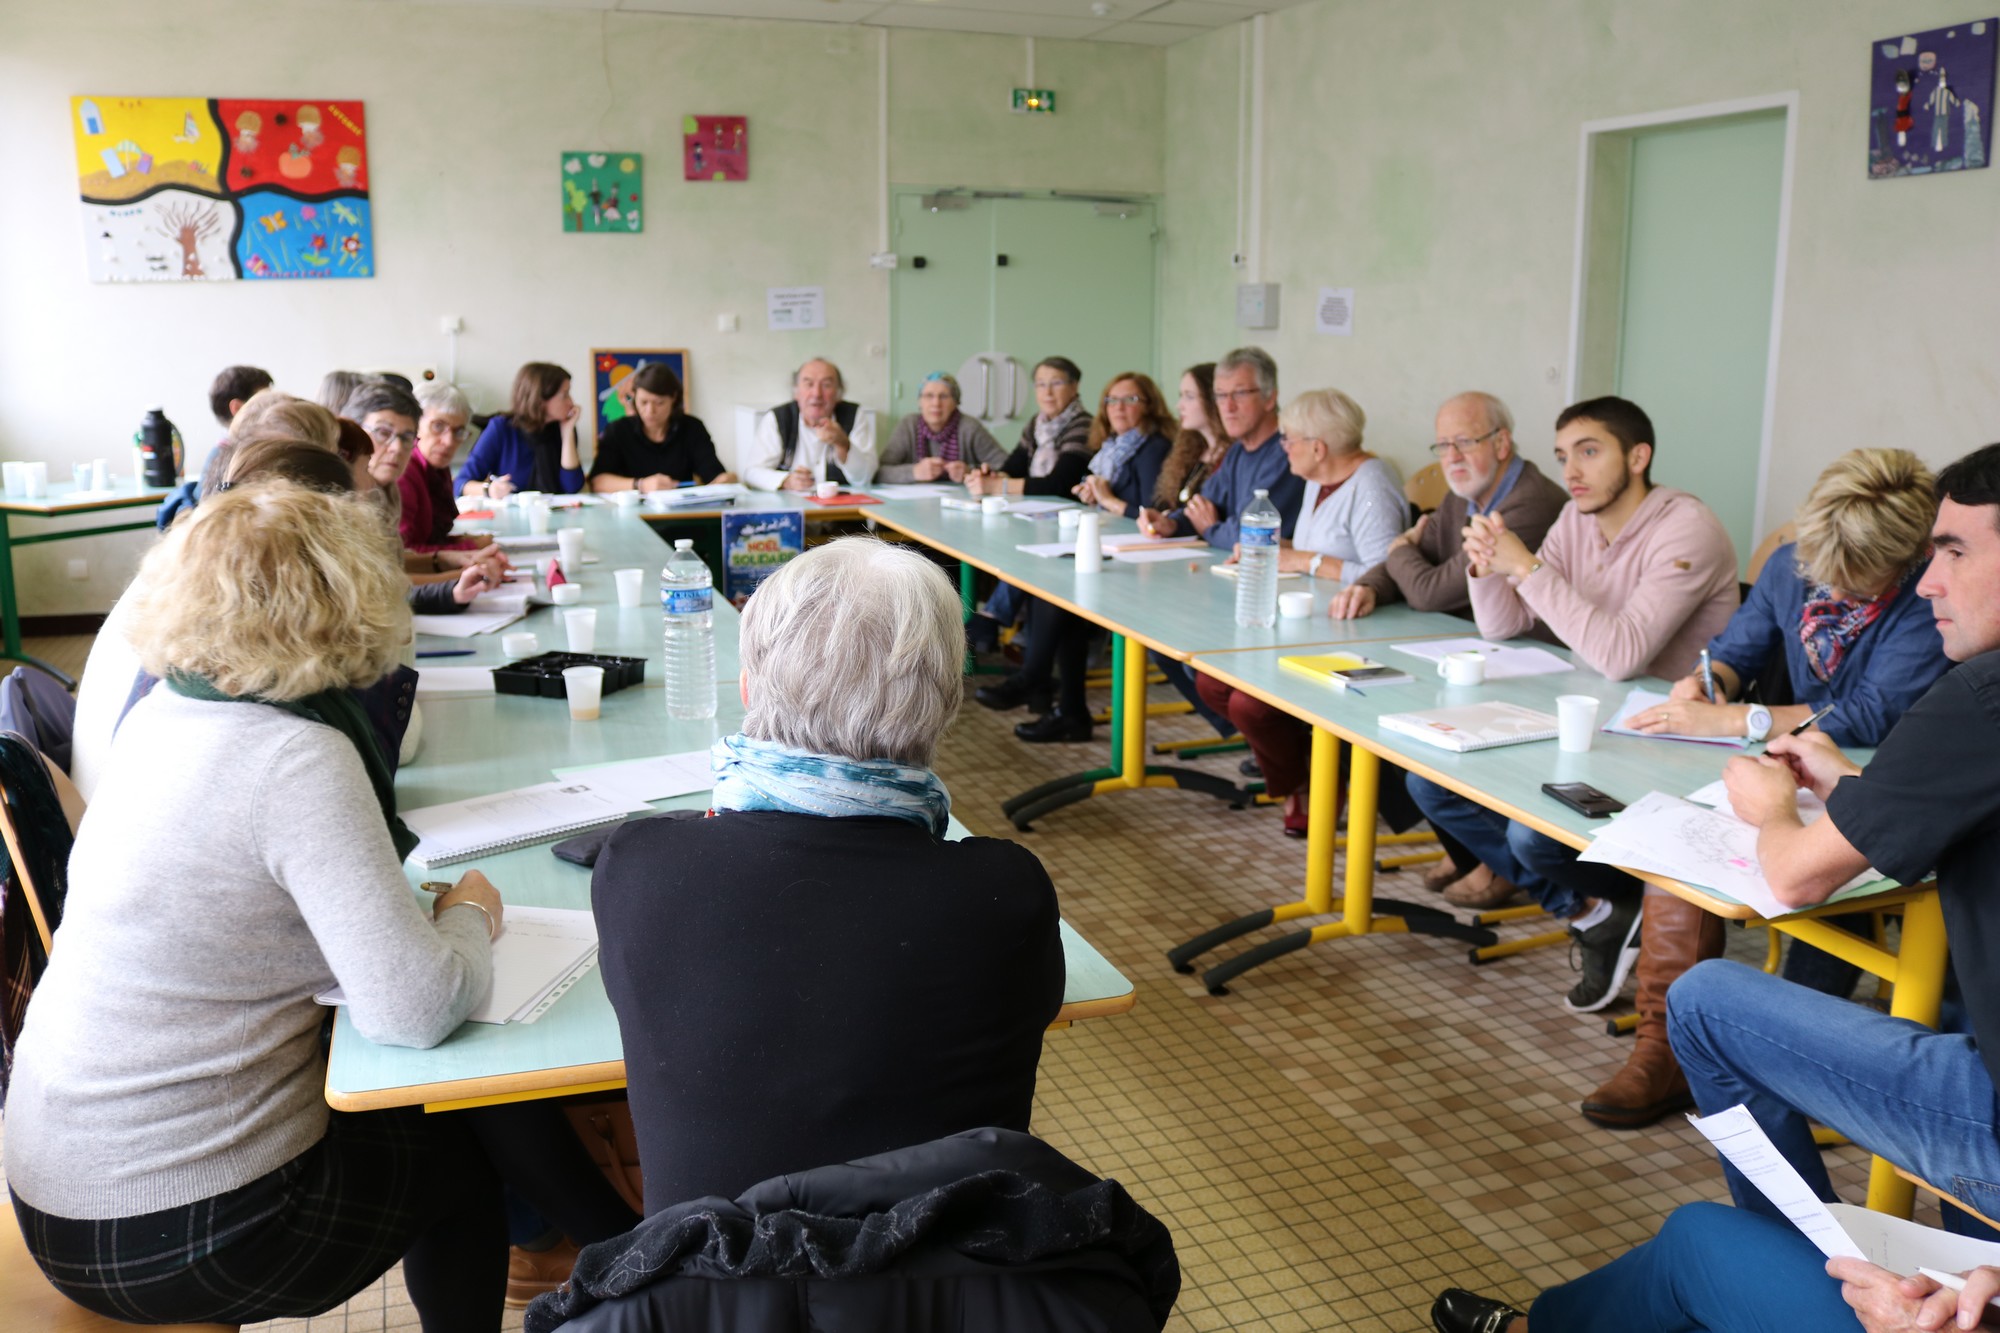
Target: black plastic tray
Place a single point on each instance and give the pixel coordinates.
(542, 675)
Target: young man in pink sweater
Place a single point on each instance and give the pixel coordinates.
(1635, 579)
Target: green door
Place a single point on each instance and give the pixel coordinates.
(940, 294)
(1695, 337)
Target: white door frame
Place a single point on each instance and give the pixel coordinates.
(1789, 104)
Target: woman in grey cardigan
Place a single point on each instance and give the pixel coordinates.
(938, 442)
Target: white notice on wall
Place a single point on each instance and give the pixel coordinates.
(796, 307)
(1335, 312)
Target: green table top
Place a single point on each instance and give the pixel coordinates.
(1175, 607)
(1507, 779)
(758, 502)
(65, 497)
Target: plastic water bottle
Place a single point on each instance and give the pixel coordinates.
(687, 603)
(1257, 564)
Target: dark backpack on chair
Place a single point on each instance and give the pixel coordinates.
(31, 893)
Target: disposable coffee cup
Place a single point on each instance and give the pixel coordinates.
(584, 687)
(581, 626)
(37, 480)
(519, 645)
(1467, 668)
(631, 586)
(566, 594)
(826, 490)
(1295, 605)
(1066, 521)
(992, 504)
(1576, 721)
(538, 520)
(569, 545)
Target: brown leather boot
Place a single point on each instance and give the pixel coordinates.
(531, 1273)
(1674, 935)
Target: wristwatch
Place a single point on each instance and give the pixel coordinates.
(1757, 725)
(1312, 566)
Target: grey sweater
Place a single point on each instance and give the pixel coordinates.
(232, 864)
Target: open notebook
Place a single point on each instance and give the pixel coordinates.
(540, 954)
(1473, 727)
(483, 825)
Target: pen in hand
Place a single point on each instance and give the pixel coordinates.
(1707, 677)
(1806, 725)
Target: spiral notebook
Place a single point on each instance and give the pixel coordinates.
(483, 825)
(1475, 727)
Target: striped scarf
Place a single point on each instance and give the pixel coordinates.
(942, 443)
(762, 775)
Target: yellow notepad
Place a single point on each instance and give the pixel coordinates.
(1342, 670)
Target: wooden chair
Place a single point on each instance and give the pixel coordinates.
(1775, 538)
(1426, 488)
(27, 1301)
(1944, 1197)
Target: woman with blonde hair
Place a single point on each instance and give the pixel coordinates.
(169, 1152)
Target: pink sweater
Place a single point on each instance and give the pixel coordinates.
(1646, 603)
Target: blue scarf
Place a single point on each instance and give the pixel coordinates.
(1115, 452)
(763, 775)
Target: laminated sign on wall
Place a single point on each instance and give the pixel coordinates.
(796, 307)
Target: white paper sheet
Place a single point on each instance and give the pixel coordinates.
(1641, 699)
(1502, 662)
(1716, 797)
(1133, 541)
(1049, 550)
(526, 541)
(461, 830)
(436, 682)
(1229, 572)
(539, 948)
(1152, 555)
(916, 490)
(695, 497)
(466, 624)
(1036, 508)
(653, 779)
(1739, 1138)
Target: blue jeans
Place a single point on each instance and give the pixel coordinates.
(1920, 1098)
(1712, 1269)
(1544, 867)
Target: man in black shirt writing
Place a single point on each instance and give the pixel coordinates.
(1928, 801)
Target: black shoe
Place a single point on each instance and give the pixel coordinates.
(1460, 1311)
(1057, 726)
(1605, 954)
(1007, 693)
(1248, 768)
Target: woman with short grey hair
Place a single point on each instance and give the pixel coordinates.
(938, 442)
(816, 972)
(429, 510)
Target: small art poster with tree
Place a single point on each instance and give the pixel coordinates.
(601, 191)
(192, 189)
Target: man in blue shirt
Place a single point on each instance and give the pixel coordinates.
(1246, 392)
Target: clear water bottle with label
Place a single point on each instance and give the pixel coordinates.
(687, 603)
(1257, 564)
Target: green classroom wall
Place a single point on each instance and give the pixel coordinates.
(469, 108)
(1426, 155)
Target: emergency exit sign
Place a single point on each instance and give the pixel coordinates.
(1035, 100)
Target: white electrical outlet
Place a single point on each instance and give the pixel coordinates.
(451, 324)
(727, 323)
(79, 570)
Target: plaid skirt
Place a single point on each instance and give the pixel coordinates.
(296, 1242)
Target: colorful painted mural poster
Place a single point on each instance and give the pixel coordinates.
(754, 547)
(715, 148)
(1930, 95)
(610, 372)
(601, 191)
(190, 189)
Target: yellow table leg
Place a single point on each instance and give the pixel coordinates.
(1920, 966)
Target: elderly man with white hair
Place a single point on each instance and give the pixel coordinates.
(814, 973)
(425, 485)
(818, 436)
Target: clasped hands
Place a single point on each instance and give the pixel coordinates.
(1201, 513)
(1490, 548)
(1887, 1302)
(932, 469)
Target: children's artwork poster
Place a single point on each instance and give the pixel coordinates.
(754, 545)
(1928, 99)
(601, 191)
(611, 373)
(191, 189)
(715, 148)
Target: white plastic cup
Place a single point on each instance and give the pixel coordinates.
(581, 626)
(1576, 721)
(465, 502)
(80, 474)
(538, 520)
(1469, 668)
(583, 686)
(625, 499)
(1066, 521)
(992, 504)
(525, 499)
(1295, 605)
(100, 474)
(16, 476)
(569, 545)
(519, 645)
(826, 490)
(631, 586)
(1089, 544)
(37, 480)
(566, 594)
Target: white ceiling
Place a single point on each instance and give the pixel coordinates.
(1147, 22)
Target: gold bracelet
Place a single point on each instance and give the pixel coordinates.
(492, 931)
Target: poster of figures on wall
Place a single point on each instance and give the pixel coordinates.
(715, 148)
(601, 191)
(190, 189)
(612, 369)
(1930, 96)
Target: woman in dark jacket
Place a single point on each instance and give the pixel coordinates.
(1055, 447)
(659, 446)
(1128, 442)
(816, 973)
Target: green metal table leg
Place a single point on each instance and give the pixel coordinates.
(10, 610)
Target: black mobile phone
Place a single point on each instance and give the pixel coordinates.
(1583, 798)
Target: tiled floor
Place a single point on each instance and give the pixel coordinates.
(1355, 1126)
